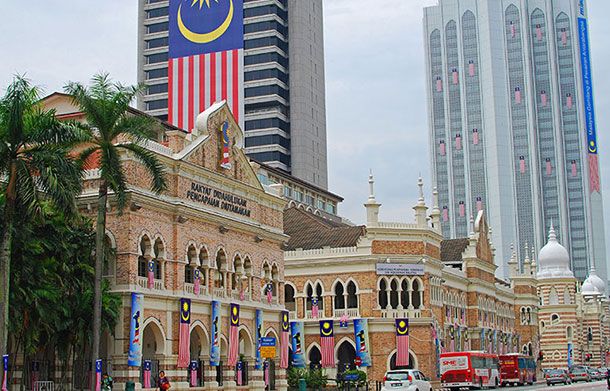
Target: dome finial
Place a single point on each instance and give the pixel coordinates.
(372, 193)
(420, 184)
(552, 235)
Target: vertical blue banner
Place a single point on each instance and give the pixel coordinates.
(570, 355)
(259, 335)
(587, 83)
(361, 329)
(298, 341)
(215, 345)
(135, 333)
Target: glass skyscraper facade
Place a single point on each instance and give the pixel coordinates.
(284, 88)
(509, 126)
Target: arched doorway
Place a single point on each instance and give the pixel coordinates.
(412, 362)
(346, 354)
(315, 357)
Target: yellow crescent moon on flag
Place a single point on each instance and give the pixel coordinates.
(205, 37)
(326, 329)
(592, 147)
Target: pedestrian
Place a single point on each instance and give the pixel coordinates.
(107, 382)
(163, 382)
(608, 377)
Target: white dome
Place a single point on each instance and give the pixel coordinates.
(554, 259)
(595, 281)
(588, 289)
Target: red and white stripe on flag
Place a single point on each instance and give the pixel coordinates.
(479, 207)
(564, 36)
(327, 343)
(517, 95)
(543, 96)
(458, 141)
(573, 168)
(462, 211)
(549, 171)
(197, 82)
(522, 164)
(234, 336)
(471, 68)
(147, 369)
(445, 214)
(569, 100)
(439, 84)
(593, 173)
(442, 147)
(475, 136)
(98, 375)
(402, 342)
(455, 76)
(538, 32)
(151, 274)
(193, 368)
(5, 371)
(512, 29)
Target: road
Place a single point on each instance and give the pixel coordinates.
(580, 386)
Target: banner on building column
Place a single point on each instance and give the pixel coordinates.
(570, 361)
(135, 334)
(215, 345)
(259, 335)
(483, 341)
(298, 339)
(361, 329)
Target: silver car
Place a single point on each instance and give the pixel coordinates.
(405, 380)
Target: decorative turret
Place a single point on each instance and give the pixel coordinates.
(593, 285)
(527, 266)
(435, 216)
(372, 207)
(534, 264)
(553, 259)
(512, 263)
(420, 209)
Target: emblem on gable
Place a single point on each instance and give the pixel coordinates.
(224, 149)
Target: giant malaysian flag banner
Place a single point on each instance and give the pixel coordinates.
(206, 58)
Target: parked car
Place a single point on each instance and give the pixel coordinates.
(580, 374)
(596, 374)
(555, 376)
(406, 380)
(603, 371)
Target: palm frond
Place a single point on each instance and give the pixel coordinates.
(111, 172)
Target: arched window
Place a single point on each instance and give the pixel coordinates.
(352, 299)
(221, 265)
(346, 354)
(339, 299)
(405, 300)
(382, 296)
(569, 333)
(417, 294)
(394, 294)
(289, 298)
(319, 295)
(315, 357)
(553, 297)
(159, 253)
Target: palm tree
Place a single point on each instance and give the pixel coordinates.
(112, 129)
(35, 165)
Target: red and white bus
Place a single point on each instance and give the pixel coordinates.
(470, 369)
(517, 369)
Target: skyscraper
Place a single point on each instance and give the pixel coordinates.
(283, 71)
(512, 127)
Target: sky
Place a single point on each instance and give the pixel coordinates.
(375, 83)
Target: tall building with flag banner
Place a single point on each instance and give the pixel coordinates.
(265, 59)
(531, 157)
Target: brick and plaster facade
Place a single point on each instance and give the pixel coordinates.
(223, 222)
(453, 284)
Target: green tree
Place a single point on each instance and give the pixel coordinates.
(112, 128)
(52, 289)
(35, 165)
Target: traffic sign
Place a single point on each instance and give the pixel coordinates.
(268, 347)
(268, 341)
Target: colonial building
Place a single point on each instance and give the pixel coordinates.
(215, 221)
(574, 319)
(388, 270)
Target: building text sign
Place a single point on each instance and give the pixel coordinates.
(399, 269)
(217, 198)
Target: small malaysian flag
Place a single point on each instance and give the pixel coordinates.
(564, 36)
(455, 75)
(475, 136)
(343, 321)
(448, 313)
(193, 368)
(569, 100)
(98, 375)
(402, 342)
(471, 68)
(479, 207)
(573, 163)
(445, 214)
(147, 369)
(5, 375)
(269, 290)
(462, 211)
(512, 29)
(151, 274)
(442, 147)
(543, 97)
(439, 84)
(238, 373)
(285, 340)
(458, 141)
(490, 335)
(466, 341)
(522, 164)
(314, 308)
(548, 166)
(327, 343)
(538, 32)
(234, 335)
(197, 287)
(517, 95)
(184, 336)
